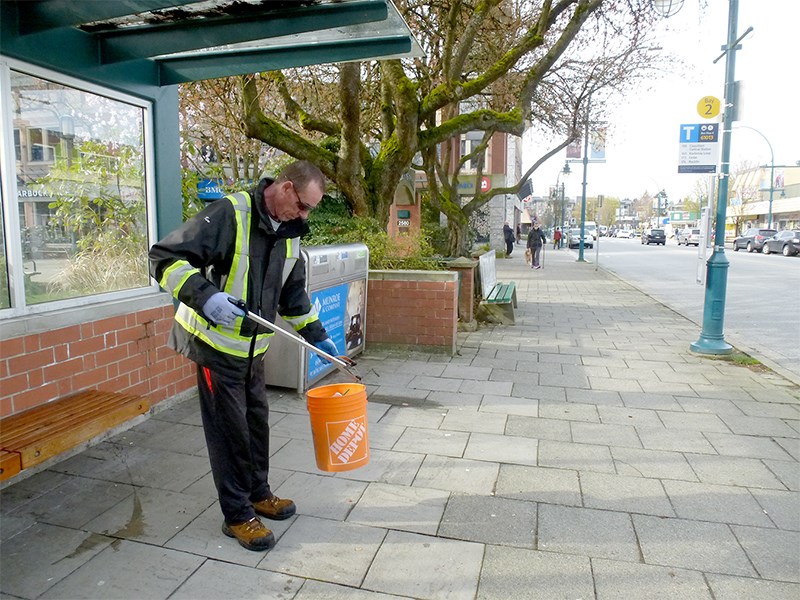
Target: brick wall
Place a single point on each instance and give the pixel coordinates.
(128, 352)
(124, 353)
(466, 270)
(414, 308)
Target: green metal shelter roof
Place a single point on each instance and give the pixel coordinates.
(166, 42)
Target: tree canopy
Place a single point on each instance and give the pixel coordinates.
(490, 66)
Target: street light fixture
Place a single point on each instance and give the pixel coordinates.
(667, 8)
(771, 169)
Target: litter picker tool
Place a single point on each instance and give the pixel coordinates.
(343, 363)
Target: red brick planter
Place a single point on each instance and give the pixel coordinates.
(413, 308)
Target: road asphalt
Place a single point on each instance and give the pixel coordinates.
(583, 452)
(761, 315)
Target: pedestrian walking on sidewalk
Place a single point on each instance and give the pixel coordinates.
(556, 238)
(535, 240)
(245, 246)
(508, 236)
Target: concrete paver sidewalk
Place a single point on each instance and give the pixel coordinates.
(582, 453)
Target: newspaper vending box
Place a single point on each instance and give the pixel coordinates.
(336, 282)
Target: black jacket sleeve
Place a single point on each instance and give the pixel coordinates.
(186, 260)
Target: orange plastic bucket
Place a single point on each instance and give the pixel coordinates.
(339, 426)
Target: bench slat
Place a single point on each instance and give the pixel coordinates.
(31, 437)
(65, 404)
(76, 419)
(502, 293)
(511, 293)
(55, 412)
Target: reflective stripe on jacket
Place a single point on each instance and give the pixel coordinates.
(228, 338)
(233, 246)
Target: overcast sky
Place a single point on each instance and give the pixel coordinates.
(642, 148)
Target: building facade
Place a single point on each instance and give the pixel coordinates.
(754, 203)
(502, 169)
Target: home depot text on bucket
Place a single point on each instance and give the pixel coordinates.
(347, 443)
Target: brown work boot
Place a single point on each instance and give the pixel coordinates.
(275, 508)
(251, 534)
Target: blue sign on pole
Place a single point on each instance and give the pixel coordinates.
(698, 148)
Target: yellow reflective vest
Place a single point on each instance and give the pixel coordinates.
(231, 247)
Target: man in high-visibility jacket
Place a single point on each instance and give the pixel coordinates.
(245, 246)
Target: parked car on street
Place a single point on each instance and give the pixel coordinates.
(654, 236)
(574, 235)
(689, 237)
(786, 242)
(623, 233)
(753, 239)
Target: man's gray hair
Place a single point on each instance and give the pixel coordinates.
(302, 173)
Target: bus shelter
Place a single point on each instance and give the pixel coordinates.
(90, 122)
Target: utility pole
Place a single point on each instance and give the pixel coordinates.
(565, 171)
(563, 209)
(585, 169)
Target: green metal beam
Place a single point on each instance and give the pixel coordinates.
(209, 66)
(36, 16)
(170, 38)
(332, 32)
(47, 49)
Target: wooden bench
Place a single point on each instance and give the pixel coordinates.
(499, 299)
(32, 436)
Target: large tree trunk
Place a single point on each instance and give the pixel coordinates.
(457, 236)
(348, 167)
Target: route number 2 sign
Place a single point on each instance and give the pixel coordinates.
(708, 107)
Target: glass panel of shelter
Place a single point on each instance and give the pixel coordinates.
(80, 171)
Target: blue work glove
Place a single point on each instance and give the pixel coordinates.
(220, 311)
(328, 346)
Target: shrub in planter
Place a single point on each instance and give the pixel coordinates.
(332, 223)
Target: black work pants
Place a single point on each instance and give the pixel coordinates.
(509, 247)
(235, 416)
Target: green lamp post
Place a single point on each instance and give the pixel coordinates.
(712, 339)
